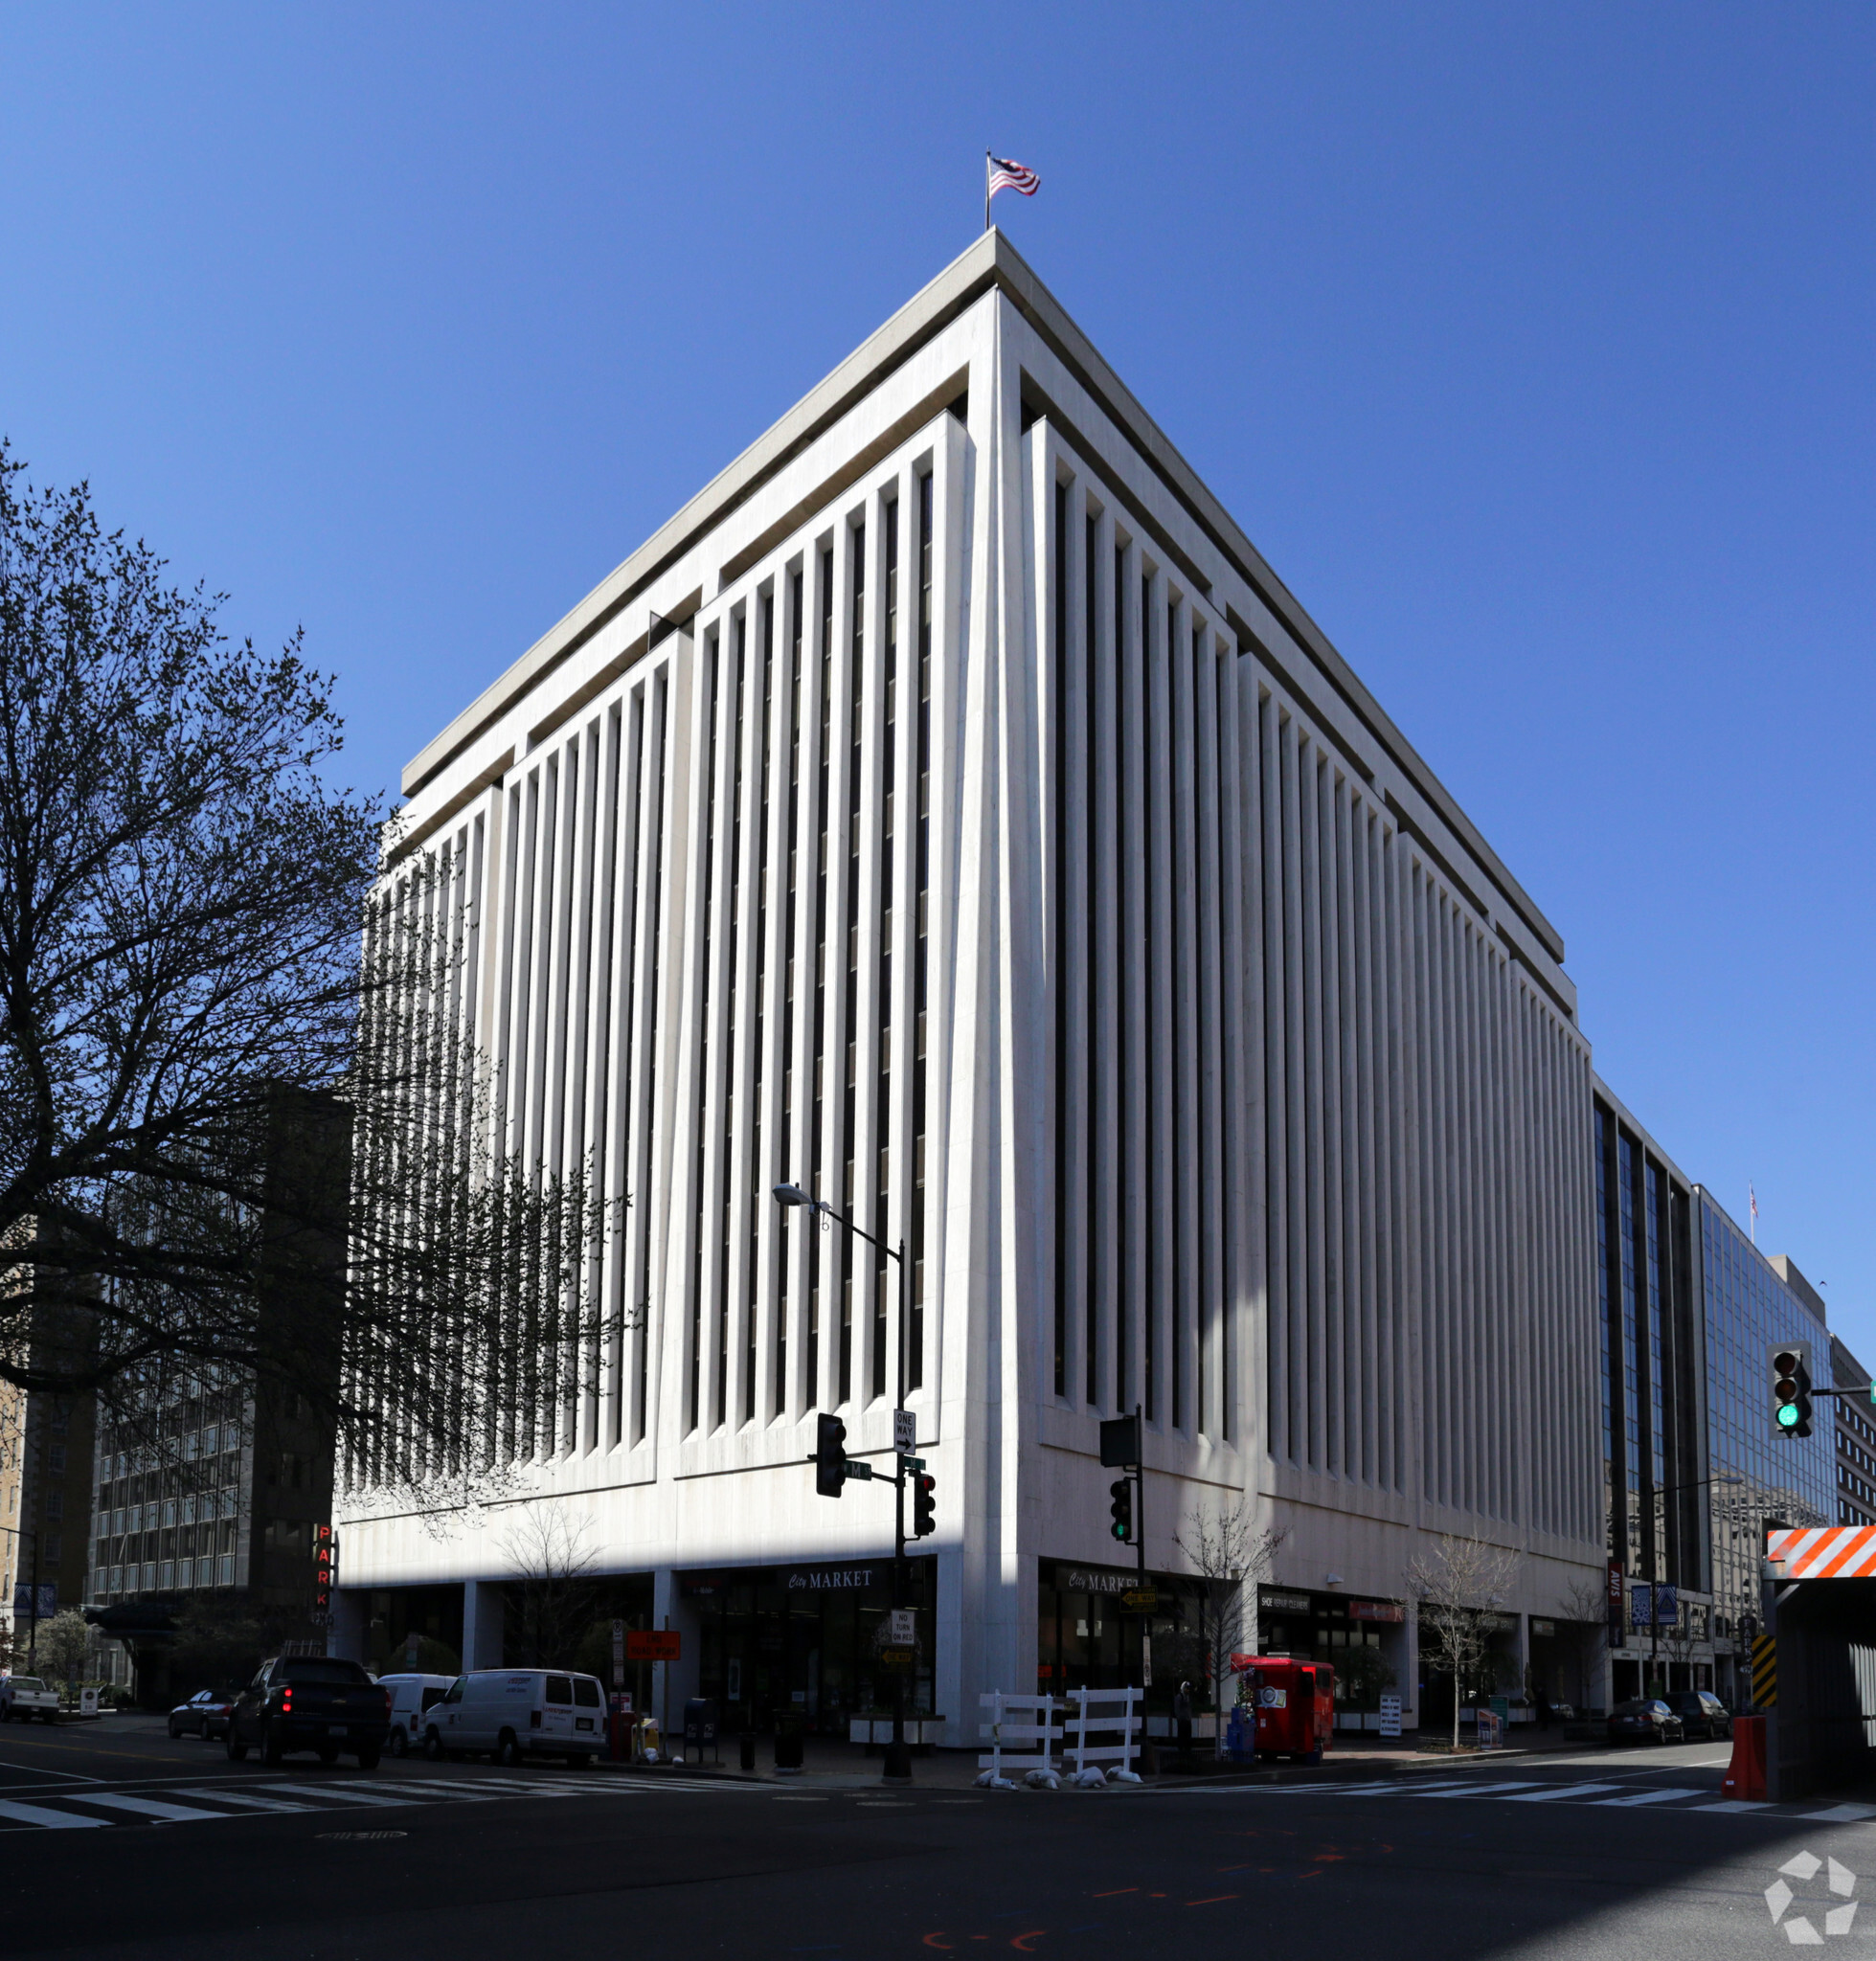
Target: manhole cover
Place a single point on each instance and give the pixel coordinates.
(361, 1835)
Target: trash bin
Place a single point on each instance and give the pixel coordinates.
(789, 1737)
(699, 1727)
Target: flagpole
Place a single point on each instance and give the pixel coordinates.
(987, 190)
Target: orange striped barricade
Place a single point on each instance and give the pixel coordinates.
(1831, 1552)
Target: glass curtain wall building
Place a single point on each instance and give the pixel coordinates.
(1654, 1456)
(1749, 1309)
(1854, 1417)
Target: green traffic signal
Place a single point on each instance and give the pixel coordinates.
(1791, 1388)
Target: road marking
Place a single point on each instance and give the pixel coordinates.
(37, 1814)
(146, 1807)
(1667, 1797)
(251, 1800)
(1552, 1794)
(1843, 1814)
(339, 1794)
(1731, 1804)
(236, 1798)
(1492, 1789)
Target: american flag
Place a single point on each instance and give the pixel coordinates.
(1008, 174)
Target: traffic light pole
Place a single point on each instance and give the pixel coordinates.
(899, 1755)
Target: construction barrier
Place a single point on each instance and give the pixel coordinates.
(1765, 1672)
(1114, 1715)
(1020, 1729)
(1745, 1777)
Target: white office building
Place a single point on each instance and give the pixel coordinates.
(950, 811)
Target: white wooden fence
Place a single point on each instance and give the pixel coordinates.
(1113, 1718)
(1021, 1730)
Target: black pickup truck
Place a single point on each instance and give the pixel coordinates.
(310, 1703)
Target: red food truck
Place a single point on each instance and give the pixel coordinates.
(1295, 1702)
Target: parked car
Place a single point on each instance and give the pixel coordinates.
(1702, 1713)
(23, 1696)
(412, 1698)
(517, 1713)
(1645, 1720)
(205, 1714)
(310, 1703)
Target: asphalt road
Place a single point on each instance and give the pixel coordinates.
(169, 1851)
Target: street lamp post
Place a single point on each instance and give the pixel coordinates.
(899, 1755)
(1663, 1492)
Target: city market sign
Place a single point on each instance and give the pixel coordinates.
(831, 1579)
(1092, 1580)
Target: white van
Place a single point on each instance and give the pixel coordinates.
(412, 1698)
(517, 1713)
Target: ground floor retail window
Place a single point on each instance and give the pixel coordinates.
(1361, 1641)
(809, 1642)
(1097, 1630)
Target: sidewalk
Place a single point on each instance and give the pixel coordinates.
(829, 1764)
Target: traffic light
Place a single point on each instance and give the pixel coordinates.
(1791, 1388)
(924, 1504)
(326, 1562)
(1122, 1509)
(829, 1455)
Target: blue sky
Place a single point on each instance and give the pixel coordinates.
(1532, 345)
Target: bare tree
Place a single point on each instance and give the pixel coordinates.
(549, 1561)
(1584, 1615)
(244, 1132)
(1460, 1585)
(1228, 1553)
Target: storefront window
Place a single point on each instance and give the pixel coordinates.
(807, 1641)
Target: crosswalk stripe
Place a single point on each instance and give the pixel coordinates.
(37, 1814)
(248, 1800)
(341, 1794)
(145, 1807)
(1843, 1814)
(1492, 1789)
(1653, 1796)
(233, 1799)
(1731, 1803)
(1551, 1794)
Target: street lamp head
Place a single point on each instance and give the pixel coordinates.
(791, 1195)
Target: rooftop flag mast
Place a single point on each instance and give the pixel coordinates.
(1006, 173)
